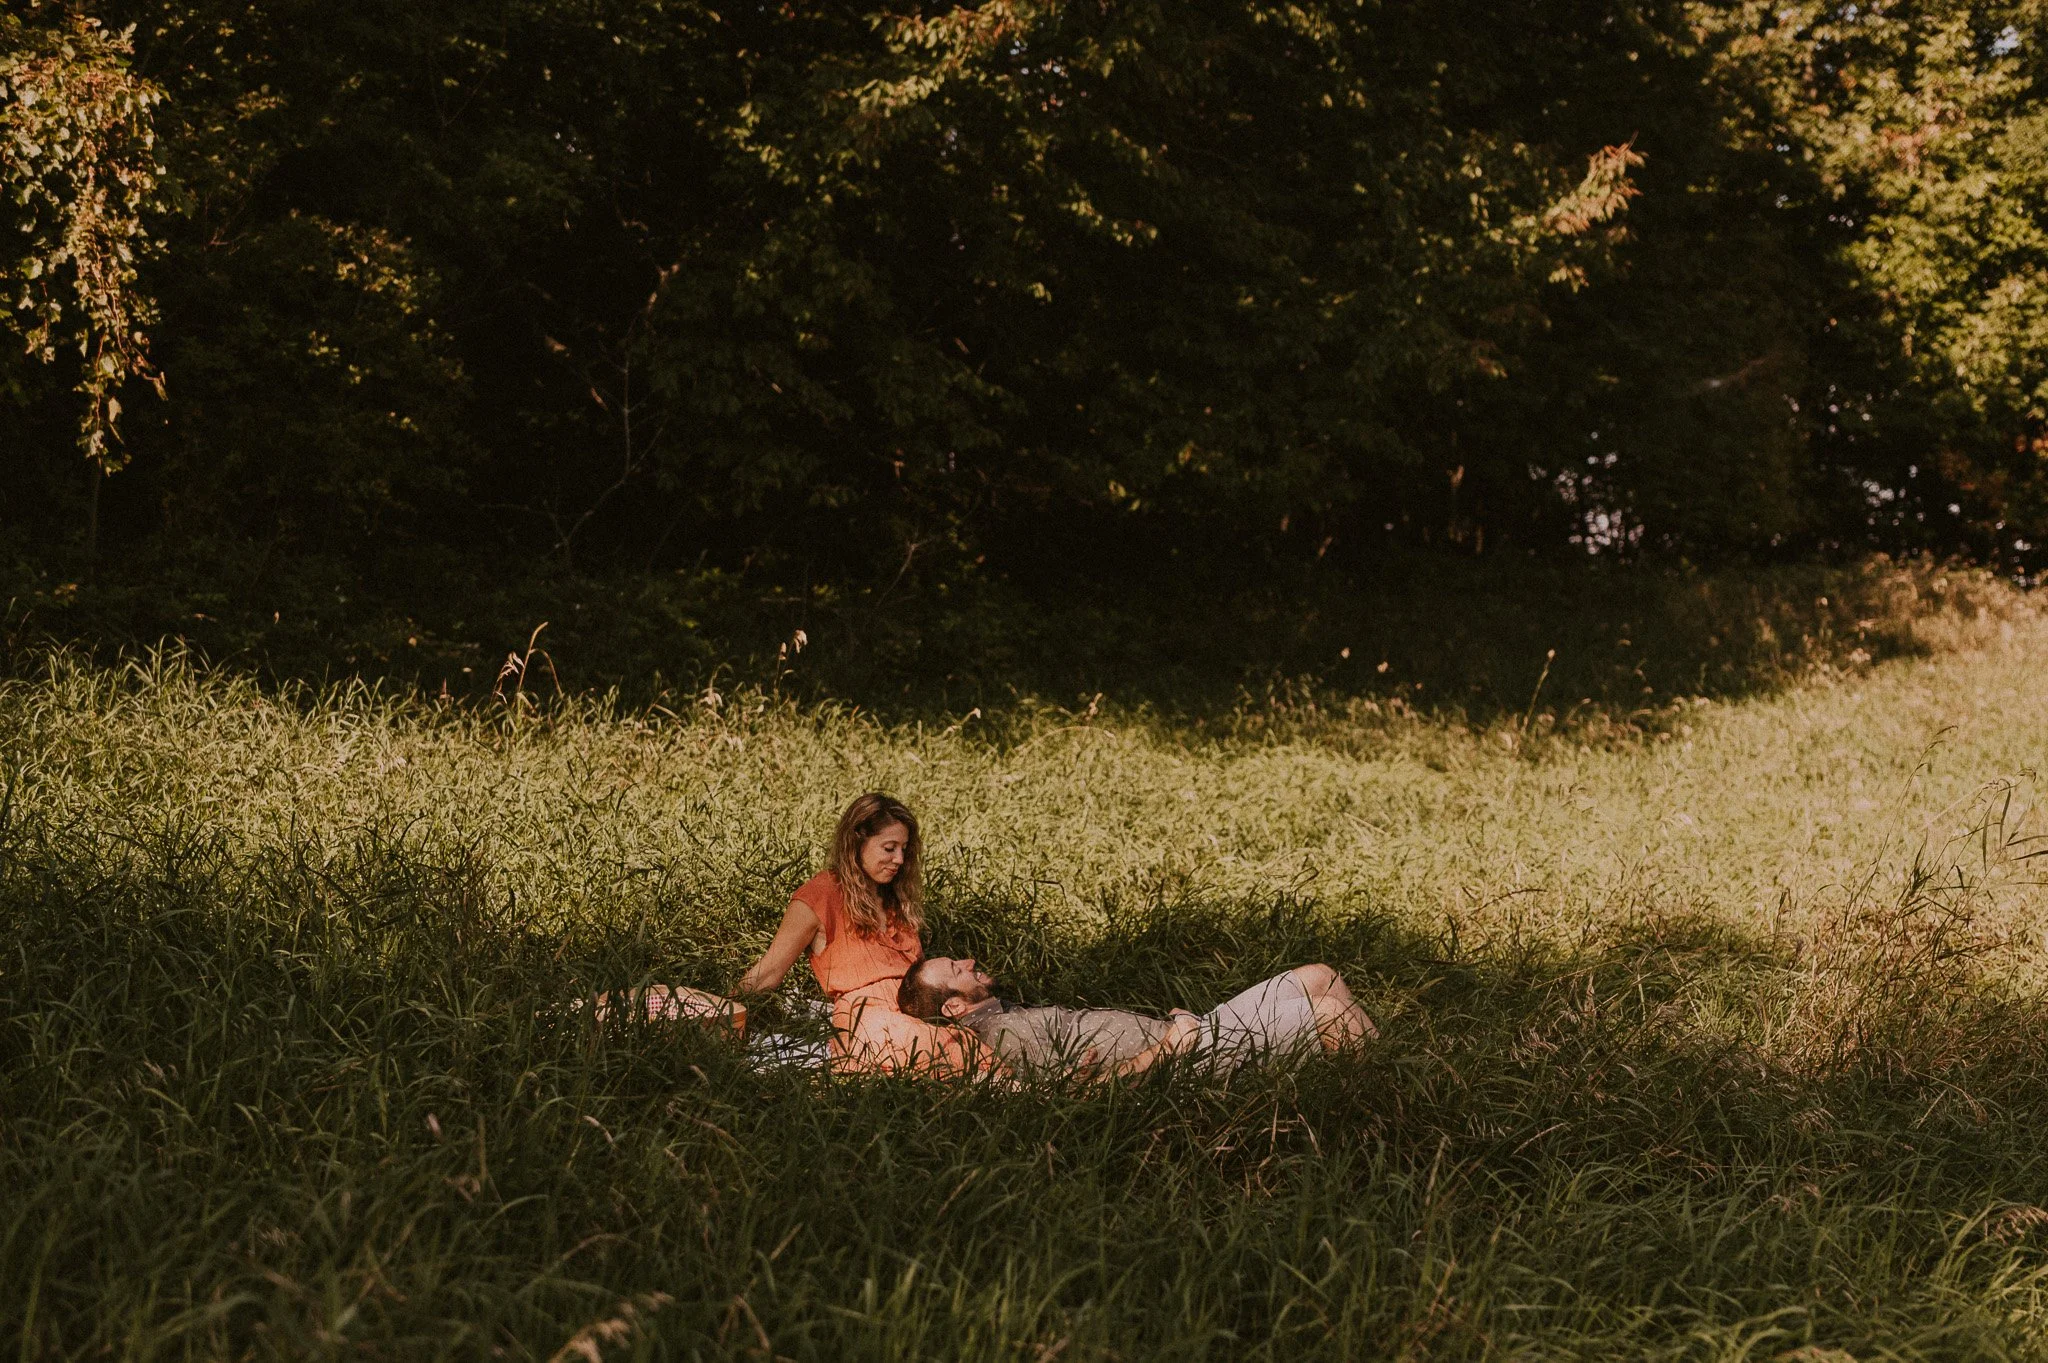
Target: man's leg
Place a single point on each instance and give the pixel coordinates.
(1290, 1010)
(1274, 1017)
(1339, 1019)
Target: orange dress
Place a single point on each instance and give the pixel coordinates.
(860, 973)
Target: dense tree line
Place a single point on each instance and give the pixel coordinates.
(843, 293)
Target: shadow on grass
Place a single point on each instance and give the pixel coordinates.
(319, 1105)
(1545, 642)
(1476, 641)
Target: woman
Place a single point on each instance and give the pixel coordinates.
(861, 919)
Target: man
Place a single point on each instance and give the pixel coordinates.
(1276, 1016)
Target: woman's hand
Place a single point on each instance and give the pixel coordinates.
(799, 929)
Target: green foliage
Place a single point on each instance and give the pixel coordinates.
(78, 163)
(1914, 126)
(820, 288)
(1027, 296)
(1127, 259)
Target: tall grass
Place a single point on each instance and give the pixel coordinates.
(1713, 1032)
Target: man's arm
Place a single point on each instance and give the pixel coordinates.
(1182, 1032)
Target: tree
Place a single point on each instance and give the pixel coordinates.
(1920, 121)
(78, 157)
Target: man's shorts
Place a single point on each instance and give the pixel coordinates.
(1271, 1019)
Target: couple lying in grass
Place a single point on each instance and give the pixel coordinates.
(861, 922)
(1286, 1015)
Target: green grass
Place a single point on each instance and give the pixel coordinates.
(1712, 1030)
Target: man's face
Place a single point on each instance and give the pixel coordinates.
(966, 984)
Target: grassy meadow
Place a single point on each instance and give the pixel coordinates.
(1714, 1025)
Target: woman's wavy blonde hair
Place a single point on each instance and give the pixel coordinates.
(869, 905)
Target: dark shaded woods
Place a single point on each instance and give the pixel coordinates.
(500, 310)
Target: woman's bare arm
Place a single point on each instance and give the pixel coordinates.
(799, 929)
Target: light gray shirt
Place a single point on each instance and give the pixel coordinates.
(1051, 1036)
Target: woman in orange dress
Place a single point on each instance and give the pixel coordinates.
(861, 920)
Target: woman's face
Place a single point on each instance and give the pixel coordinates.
(881, 856)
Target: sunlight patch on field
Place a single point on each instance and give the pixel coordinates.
(1755, 813)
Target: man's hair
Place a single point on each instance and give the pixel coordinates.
(920, 998)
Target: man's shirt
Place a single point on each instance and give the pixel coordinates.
(1051, 1036)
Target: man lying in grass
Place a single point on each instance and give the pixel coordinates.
(1275, 1017)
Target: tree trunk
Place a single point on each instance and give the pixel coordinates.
(92, 520)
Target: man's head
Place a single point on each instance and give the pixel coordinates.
(941, 986)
